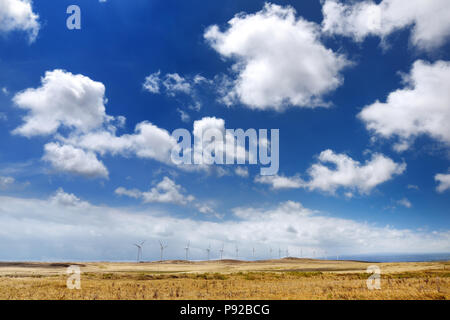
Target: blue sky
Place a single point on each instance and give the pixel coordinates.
(390, 195)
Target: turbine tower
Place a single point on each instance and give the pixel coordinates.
(139, 250)
(253, 253)
(237, 251)
(162, 246)
(221, 251)
(187, 250)
(279, 253)
(270, 252)
(208, 251)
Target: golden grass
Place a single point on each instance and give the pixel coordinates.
(276, 279)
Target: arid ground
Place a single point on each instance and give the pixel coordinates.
(288, 278)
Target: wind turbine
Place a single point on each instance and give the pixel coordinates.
(221, 251)
(208, 250)
(270, 252)
(237, 251)
(279, 252)
(162, 249)
(139, 250)
(287, 253)
(253, 253)
(187, 250)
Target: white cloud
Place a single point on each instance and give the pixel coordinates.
(281, 182)
(148, 142)
(166, 191)
(6, 182)
(444, 182)
(66, 158)
(349, 173)
(19, 15)
(345, 173)
(34, 229)
(421, 108)
(229, 148)
(280, 60)
(405, 202)
(183, 115)
(5, 91)
(62, 198)
(175, 83)
(430, 19)
(152, 82)
(241, 172)
(64, 99)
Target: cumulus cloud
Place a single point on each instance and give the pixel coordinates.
(147, 142)
(34, 229)
(344, 173)
(422, 106)
(63, 99)
(280, 60)
(166, 191)
(349, 173)
(62, 198)
(66, 158)
(230, 148)
(429, 19)
(18, 15)
(444, 182)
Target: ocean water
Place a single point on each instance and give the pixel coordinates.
(398, 257)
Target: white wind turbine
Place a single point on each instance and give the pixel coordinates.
(187, 250)
(221, 251)
(208, 251)
(270, 253)
(139, 250)
(279, 253)
(253, 253)
(237, 251)
(162, 246)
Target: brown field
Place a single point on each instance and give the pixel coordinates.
(228, 279)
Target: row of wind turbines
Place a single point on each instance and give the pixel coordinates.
(163, 246)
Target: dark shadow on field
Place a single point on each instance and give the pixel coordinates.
(38, 265)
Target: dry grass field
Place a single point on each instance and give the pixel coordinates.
(228, 279)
